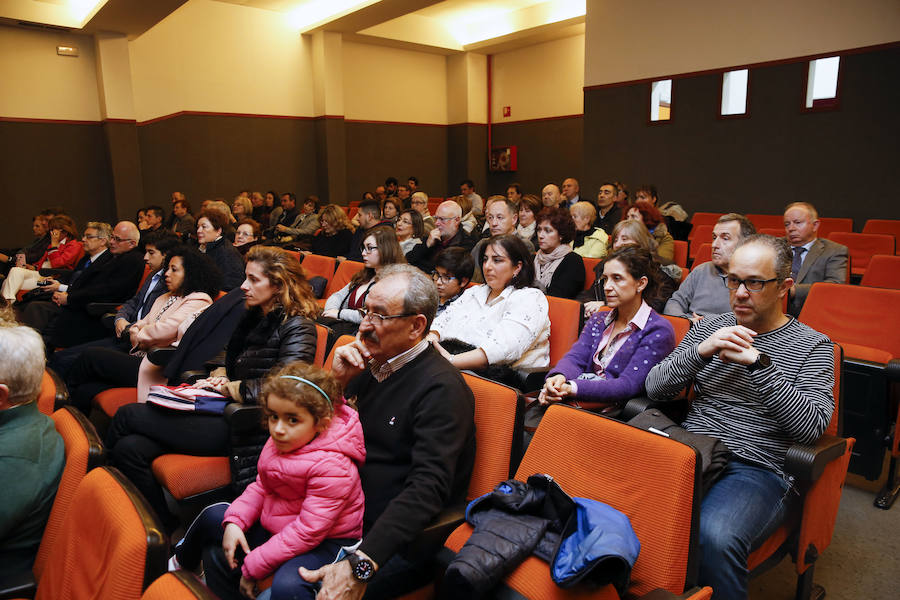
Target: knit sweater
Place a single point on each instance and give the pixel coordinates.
(702, 292)
(420, 449)
(758, 415)
(628, 369)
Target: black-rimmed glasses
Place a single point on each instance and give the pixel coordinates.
(752, 285)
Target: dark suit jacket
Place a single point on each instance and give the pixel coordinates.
(825, 261)
(130, 309)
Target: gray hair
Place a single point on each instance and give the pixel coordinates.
(421, 297)
(780, 248)
(22, 367)
(809, 208)
(104, 230)
(747, 227)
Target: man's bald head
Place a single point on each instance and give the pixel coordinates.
(125, 237)
(447, 217)
(550, 195)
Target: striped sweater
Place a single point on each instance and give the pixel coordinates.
(758, 415)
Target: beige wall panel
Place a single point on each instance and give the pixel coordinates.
(36, 83)
(477, 89)
(640, 39)
(219, 57)
(540, 81)
(114, 76)
(389, 84)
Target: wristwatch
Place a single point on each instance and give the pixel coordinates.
(362, 568)
(762, 361)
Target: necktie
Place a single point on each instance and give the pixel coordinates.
(797, 262)
(82, 267)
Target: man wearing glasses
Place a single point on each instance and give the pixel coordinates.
(417, 415)
(447, 234)
(103, 276)
(766, 382)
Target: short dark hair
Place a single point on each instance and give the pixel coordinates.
(201, 274)
(314, 200)
(216, 218)
(403, 186)
(457, 261)
(650, 189)
(468, 183)
(639, 263)
(747, 227)
(371, 207)
(418, 223)
(517, 252)
(254, 226)
(156, 210)
(780, 248)
(185, 204)
(162, 239)
(560, 219)
(290, 195)
(390, 181)
(516, 187)
(531, 202)
(415, 180)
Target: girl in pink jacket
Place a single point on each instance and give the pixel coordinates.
(305, 504)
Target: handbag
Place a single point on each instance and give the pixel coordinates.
(714, 454)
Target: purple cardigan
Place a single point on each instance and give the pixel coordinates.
(629, 367)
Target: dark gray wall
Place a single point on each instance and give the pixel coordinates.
(845, 161)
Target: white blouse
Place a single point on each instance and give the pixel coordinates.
(512, 329)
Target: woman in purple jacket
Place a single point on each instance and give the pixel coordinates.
(616, 349)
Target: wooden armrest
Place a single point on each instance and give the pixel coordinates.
(807, 462)
(20, 585)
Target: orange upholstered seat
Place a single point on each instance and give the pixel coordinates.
(705, 218)
(863, 246)
(766, 221)
(318, 266)
(110, 400)
(342, 276)
(565, 319)
(178, 585)
(110, 545)
(883, 272)
(885, 226)
(53, 392)
(589, 274)
(185, 476)
(681, 253)
(703, 254)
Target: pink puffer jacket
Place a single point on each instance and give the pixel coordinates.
(304, 497)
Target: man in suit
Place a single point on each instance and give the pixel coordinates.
(158, 245)
(814, 259)
(570, 190)
(110, 272)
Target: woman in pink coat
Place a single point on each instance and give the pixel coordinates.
(306, 502)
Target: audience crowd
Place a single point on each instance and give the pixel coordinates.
(469, 287)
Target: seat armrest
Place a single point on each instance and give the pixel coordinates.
(98, 309)
(243, 417)
(892, 370)
(161, 356)
(108, 320)
(20, 585)
(193, 377)
(695, 593)
(636, 406)
(807, 462)
(436, 533)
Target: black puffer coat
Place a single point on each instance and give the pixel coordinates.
(229, 261)
(262, 341)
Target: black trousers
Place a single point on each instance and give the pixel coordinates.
(98, 369)
(139, 433)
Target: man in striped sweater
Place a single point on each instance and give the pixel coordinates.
(764, 382)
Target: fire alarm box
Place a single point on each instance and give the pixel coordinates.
(503, 158)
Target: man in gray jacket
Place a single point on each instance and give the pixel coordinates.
(814, 259)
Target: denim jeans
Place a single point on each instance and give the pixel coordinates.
(741, 510)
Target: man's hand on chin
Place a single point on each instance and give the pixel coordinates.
(337, 581)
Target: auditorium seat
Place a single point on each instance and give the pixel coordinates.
(315, 265)
(53, 392)
(777, 232)
(589, 274)
(884, 226)
(865, 322)
(763, 221)
(705, 218)
(565, 321)
(341, 341)
(658, 492)
(704, 237)
(702, 255)
(863, 246)
(828, 225)
(702, 233)
(111, 545)
(342, 276)
(883, 272)
(178, 585)
(681, 253)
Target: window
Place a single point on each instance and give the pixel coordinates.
(734, 92)
(821, 82)
(661, 100)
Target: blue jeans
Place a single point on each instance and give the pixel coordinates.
(741, 510)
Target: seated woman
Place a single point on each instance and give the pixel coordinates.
(616, 349)
(505, 320)
(590, 241)
(379, 248)
(191, 283)
(410, 230)
(62, 253)
(419, 202)
(210, 228)
(468, 221)
(276, 329)
(529, 207)
(652, 219)
(453, 268)
(631, 232)
(335, 234)
(391, 209)
(241, 208)
(558, 271)
(246, 235)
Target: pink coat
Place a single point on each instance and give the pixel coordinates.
(306, 496)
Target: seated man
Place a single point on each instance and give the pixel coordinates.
(304, 225)
(766, 382)
(452, 273)
(157, 246)
(369, 217)
(417, 415)
(502, 218)
(102, 276)
(814, 259)
(32, 453)
(448, 233)
(703, 292)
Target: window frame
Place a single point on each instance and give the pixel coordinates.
(746, 113)
(649, 106)
(824, 104)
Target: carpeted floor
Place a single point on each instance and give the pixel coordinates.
(862, 563)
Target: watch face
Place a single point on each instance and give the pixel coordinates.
(363, 570)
